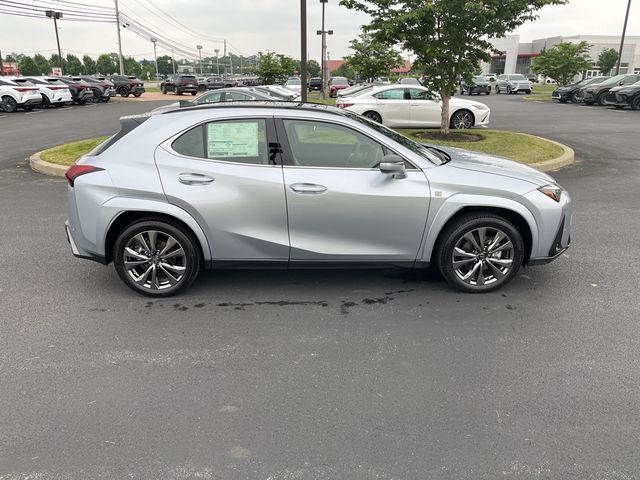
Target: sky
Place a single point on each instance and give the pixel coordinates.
(250, 26)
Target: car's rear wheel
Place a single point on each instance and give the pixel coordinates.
(193, 93)
(45, 101)
(635, 103)
(462, 119)
(480, 252)
(375, 116)
(156, 258)
(601, 99)
(9, 104)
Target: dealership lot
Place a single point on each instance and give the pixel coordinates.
(323, 374)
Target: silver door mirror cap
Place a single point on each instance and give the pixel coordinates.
(393, 164)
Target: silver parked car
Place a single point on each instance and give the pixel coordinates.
(270, 184)
(514, 83)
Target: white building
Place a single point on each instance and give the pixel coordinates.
(515, 57)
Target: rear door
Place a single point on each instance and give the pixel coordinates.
(223, 173)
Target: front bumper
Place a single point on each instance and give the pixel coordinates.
(479, 89)
(558, 95)
(616, 99)
(588, 96)
(482, 117)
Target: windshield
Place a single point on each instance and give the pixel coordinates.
(478, 78)
(415, 147)
(339, 81)
(516, 77)
(612, 80)
(293, 81)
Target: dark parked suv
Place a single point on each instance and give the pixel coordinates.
(80, 90)
(598, 93)
(126, 85)
(180, 84)
(102, 88)
(625, 96)
(315, 83)
(574, 91)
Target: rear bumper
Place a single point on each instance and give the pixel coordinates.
(31, 101)
(185, 89)
(616, 99)
(77, 251)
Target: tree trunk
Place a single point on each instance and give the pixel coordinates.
(444, 117)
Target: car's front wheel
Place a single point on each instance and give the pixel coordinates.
(602, 98)
(124, 92)
(480, 252)
(462, 119)
(576, 97)
(635, 103)
(375, 116)
(156, 258)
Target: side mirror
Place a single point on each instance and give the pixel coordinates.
(394, 165)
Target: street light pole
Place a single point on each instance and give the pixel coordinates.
(119, 39)
(217, 50)
(173, 62)
(155, 55)
(199, 47)
(56, 16)
(624, 32)
(303, 50)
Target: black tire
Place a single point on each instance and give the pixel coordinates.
(601, 98)
(509, 91)
(105, 99)
(562, 100)
(575, 97)
(194, 93)
(45, 101)
(81, 102)
(202, 88)
(96, 97)
(137, 94)
(9, 104)
(27, 108)
(163, 89)
(619, 107)
(528, 92)
(635, 103)
(176, 91)
(124, 92)
(374, 116)
(462, 119)
(588, 102)
(497, 90)
(190, 262)
(488, 92)
(456, 234)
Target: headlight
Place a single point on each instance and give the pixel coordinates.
(480, 107)
(554, 192)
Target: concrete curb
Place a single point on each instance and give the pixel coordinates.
(567, 158)
(40, 166)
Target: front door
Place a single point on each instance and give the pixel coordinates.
(426, 108)
(341, 207)
(225, 176)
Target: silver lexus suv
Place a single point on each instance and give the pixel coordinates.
(288, 185)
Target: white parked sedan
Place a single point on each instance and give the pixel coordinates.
(414, 106)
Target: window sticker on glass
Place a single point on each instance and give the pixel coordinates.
(231, 139)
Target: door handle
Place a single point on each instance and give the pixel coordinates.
(194, 179)
(308, 188)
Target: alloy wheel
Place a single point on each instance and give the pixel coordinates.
(462, 119)
(155, 260)
(8, 104)
(483, 256)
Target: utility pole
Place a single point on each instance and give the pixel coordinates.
(56, 16)
(303, 50)
(241, 72)
(199, 47)
(624, 32)
(119, 39)
(217, 63)
(224, 55)
(231, 63)
(173, 62)
(1, 66)
(155, 55)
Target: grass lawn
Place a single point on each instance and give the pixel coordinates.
(541, 93)
(522, 148)
(68, 153)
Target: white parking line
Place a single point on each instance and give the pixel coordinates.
(65, 109)
(35, 111)
(2, 116)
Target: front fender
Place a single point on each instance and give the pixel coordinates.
(116, 206)
(441, 213)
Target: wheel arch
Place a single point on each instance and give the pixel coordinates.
(461, 109)
(127, 217)
(369, 110)
(525, 224)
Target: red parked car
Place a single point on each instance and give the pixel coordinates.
(337, 83)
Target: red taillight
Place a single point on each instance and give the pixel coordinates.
(23, 89)
(58, 88)
(77, 170)
(345, 105)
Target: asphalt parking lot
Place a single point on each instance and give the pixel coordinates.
(324, 374)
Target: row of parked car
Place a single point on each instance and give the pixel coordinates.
(619, 91)
(29, 92)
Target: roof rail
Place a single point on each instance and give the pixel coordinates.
(308, 106)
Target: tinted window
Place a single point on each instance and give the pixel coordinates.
(394, 94)
(417, 94)
(316, 144)
(240, 141)
(234, 96)
(339, 81)
(208, 98)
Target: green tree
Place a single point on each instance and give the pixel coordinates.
(607, 60)
(131, 66)
(275, 67)
(42, 64)
(105, 65)
(74, 65)
(28, 66)
(562, 62)
(89, 65)
(164, 65)
(448, 37)
(314, 69)
(344, 70)
(372, 57)
(54, 62)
